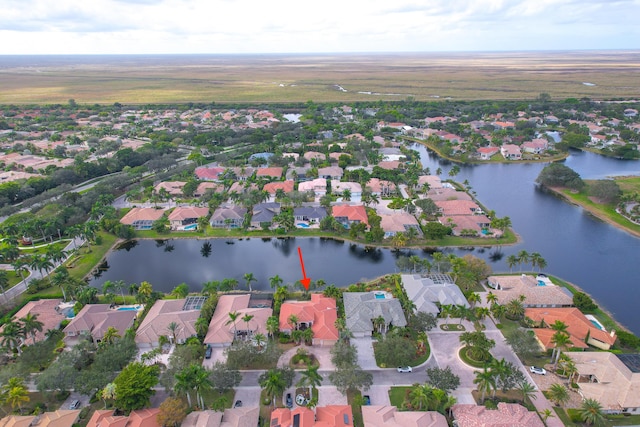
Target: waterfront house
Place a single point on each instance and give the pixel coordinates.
(399, 222)
(348, 214)
(223, 331)
(94, 320)
(142, 218)
(46, 311)
(535, 146)
(428, 291)
(446, 193)
(311, 214)
(458, 207)
(537, 292)
(432, 181)
(466, 224)
(186, 217)
(319, 314)
(511, 152)
(183, 312)
(390, 165)
(583, 331)
(391, 154)
(228, 217)
(263, 214)
(362, 309)
(611, 379)
(486, 153)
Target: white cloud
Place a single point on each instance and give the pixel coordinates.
(252, 26)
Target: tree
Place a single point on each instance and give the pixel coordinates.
(444, 379)
(559, 394)
(15, 392)
(310, 377)
(273, 326)
(560, 340)
(108, 393)
(180, 291)
(512, 260)
(246, 319)
(485, 381)
(248, 278)
(173, 329)
(134, 386)
(523, 342)
(590, 412)
(423, 321)
(584, 302)
(11, 336)
(546, 414)
(606, 191)
(514, 309)
(184, 382)
(31, 325)
(559, 175)
(395, 350)
(109, 336)
(343, 354)
(528, 390)
(351, 378)
(224, 378)
(273, 384)
(523, 258)
(275, 281)
(172, 412)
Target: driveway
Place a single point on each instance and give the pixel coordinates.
(366, 359)
(379, 394)
(250, 396)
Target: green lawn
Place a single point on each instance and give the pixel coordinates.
(397, 395)
(87, 258)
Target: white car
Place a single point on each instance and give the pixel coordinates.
(536, 370)
(404, 369)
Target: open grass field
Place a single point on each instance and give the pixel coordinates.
(321, 78)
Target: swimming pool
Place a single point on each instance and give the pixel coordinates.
(191, 227)
(596, 324)
(380, 295)
(130, 308)
(302, 225)
(541, 283)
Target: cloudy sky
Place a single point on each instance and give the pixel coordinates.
(274, 26)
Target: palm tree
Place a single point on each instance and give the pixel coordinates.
(474, 298)
(201, 382)
(512, 260)
(485, 380)
(233, 316)
(537, 261)
(514, 309)
(273, 384)
(12, 335)
(108, 393)
(184, 383)
(31, 325)
(560, 340)
(528, 391)
(273, 325)
(248, 278)
(41, 262)
(246, 319)
(523, 258)
(310, 377)
(20, 266)
(173, 329)
(275, 282)
(559, 326)
(110, 335)
(546, 414)
(293, 322)
(145, 290)
(559, 394)
(420, 396)
(591, 412)
(15, 392)
(260, 340)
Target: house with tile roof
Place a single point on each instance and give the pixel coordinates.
(458, 207)
(400, 222)
(318, 186)
(446, 193)
(433, 181)
(156, 323)
(390, 164)
(389, 416)
(537, 293)
(59, 418)
(338, 187)
(314, 155)
(380, 187)
(535, 146)
(348, 215)
(228, 217)
(222, 332)
(273, 172)
(319, 314)
(486, 153)
(184, 216)
(206, 173)
(331, 172)
(361, 308)
(174, 188)
(310, 214)
(426, 292)
(263, 213)
(468, 225)
(138, 418)
(582, 331)
(511, 152)
(46, 311)
(231, 417)
(94, 320)
(273, 187)
(205, 187)
(142, 218)
(325, 416)
(391, 154)
(611, 379)
(507, 414)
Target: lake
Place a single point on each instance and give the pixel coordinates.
(577, 247)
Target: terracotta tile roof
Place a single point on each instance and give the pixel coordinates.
(186, 212)
(221, 332)
(433, 181)
(272, 172)
(97, 318)
(59, 418)
(445, 193)
(272, 187)
(172, 187)
(398, 222)
(204, 186)
(514, 286)
(46, 311)
(507, 414)
(352, 213)
(457, 207)
(209, 173)
(310, 155)
(161, 315)
(389, 416)
(325, 416)
(376, 185)
(578, 326)
(320, 310)
(390, 165)
(142, 214)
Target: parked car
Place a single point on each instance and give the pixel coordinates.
(289, 401)
(75, 404)
(208, 352)
(404, 369)
(537, 370)
(238, 404)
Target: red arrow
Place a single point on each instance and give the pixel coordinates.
(305, 280)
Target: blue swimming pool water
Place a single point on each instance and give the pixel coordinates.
(191, 227)
(541, 283)
(380, 296)
(127, 308)
(302, 225)
(596, 324)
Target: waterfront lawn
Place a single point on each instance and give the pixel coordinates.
(87, 258)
